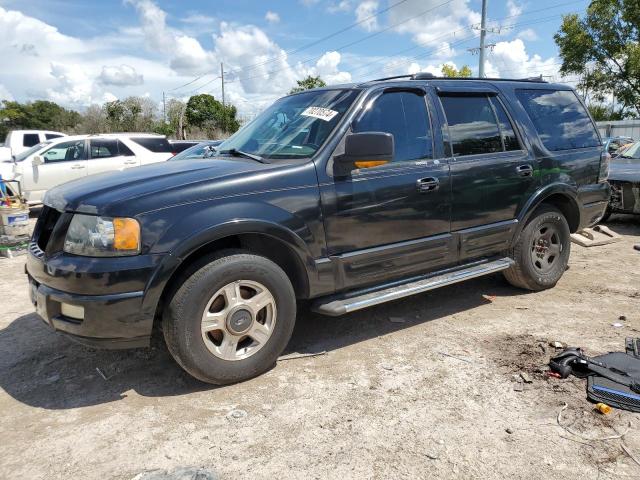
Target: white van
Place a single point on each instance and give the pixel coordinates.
(61, 160)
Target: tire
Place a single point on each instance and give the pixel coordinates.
(541, 251)
(231, 286)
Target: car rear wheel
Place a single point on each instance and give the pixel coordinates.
(542, 251)
(230, 318)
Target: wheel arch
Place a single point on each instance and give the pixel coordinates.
(266, 239)
(563, 197)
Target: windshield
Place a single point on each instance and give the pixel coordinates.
(201, 150)
(632, 152)
(21, 156)
(294, 126)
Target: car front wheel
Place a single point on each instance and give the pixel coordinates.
(231, 318)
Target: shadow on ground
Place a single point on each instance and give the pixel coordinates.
(43, 369)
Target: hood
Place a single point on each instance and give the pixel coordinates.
(136, 190)
(625, 170)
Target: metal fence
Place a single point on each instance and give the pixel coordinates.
(620, 128)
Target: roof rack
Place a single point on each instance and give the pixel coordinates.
(431, 76)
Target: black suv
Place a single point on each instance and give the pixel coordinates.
(350, 195)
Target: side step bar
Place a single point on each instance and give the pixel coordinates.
(335, 306)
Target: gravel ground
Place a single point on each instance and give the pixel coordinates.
(423, 387)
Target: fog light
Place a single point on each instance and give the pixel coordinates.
(72, 311)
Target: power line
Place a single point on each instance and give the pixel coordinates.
(303, 47)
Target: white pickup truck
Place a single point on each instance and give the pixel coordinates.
(18, 141)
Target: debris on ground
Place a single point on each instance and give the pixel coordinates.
(180, 473)
(237, 414)
(456, 357)
(603, 408)
(556, 344)
(596, 236)
(489, 298)
(397, 320)
(294, 356)
(525, 377)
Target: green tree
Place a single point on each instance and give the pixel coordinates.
(603, 48)
(452, 72)
(41, 114)
(601, 113)
(133, 114)
(205, 112)
(307, 84)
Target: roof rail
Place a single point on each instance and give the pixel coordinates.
(431, 76)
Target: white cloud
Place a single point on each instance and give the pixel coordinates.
(510, 59)
(365, 13)
(198, 19)
(185, 53)
(514, 9)
(339, 6)
(327, 67)
(272, 17)
(433, 25)
(528, 34)
(122, 75)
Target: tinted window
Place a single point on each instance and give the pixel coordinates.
(49, 136)
(472, 125)
(124, 150)
(182, 146)
(559, 118)
(154, 144)
(104, 148)
(30, 139)
(506, 129)
(65, 151)
(404, 115)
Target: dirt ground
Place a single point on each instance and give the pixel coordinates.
(421, 388)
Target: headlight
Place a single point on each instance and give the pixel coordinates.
(102, 236)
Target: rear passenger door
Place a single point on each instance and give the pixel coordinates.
(109, 154)
(491, 173)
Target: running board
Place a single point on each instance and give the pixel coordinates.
(335, 306)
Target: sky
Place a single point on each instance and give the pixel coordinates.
(79, 53)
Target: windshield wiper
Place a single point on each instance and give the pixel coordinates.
(239, 153)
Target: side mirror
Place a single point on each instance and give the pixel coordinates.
(365, 150)
(37, 160)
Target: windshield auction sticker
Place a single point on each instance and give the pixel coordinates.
(325, 114)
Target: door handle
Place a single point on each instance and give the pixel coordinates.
(525, 170)
(429, 184)
(77, 167)
(131, 163)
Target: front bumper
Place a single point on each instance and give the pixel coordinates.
(96, 301)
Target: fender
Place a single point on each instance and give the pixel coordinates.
(570, 192)
(220, 221)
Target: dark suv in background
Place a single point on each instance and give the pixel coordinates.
(350, 196)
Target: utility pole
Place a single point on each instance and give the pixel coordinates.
(164, 108)
(222, 79)
(483, 34)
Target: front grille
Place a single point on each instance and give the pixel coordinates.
(44, 227)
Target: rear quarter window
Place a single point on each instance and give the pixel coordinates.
(156, 145)
(559, 118)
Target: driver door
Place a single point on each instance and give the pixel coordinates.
(63, 162)
(391, 220)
